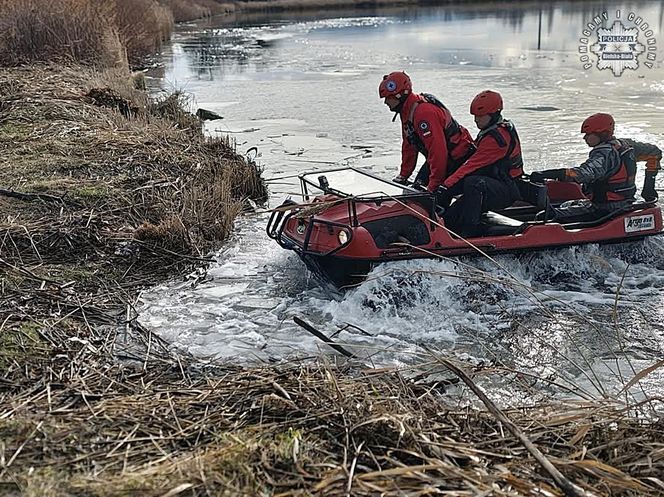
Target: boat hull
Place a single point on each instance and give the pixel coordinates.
(340, 236)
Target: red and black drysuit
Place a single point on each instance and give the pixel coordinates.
(486, 180)
(429, 128)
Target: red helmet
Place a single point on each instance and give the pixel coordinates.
(395, 84)
(599, 123)
(487, 102)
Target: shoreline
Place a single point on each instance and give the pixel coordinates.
(105, 192)
(267, 6)
(95, 404)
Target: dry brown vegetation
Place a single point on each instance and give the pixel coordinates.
(99, 151)
(78, 423)
(142, 26)
(106, 33)
(287, 5)
(103, 191)
(79, 30)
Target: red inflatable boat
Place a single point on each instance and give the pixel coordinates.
(351, 220)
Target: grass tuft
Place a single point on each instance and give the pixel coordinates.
(77, 30)
(103, 33)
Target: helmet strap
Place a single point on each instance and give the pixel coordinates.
(605, 136)
(397, 110)
(495, 117)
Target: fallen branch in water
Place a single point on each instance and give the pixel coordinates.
(321, 336)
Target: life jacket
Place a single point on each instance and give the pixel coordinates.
(506, 167)
(619, 185)
(452, 132)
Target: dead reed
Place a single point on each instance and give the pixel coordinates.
(59, 29)
(161, 423)
(295, 5)
(99, 32)
(102, 192)
(142, 26)
(187, 11)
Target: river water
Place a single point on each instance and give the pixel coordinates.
(304, 91)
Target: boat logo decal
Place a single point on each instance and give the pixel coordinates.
(639, 223)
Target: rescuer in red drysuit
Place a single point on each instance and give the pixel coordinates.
(487, 179)
(428, 128)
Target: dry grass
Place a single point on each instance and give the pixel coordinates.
(59, 29)
(188, 10)
(66, 136)
(285, 5)
(161, 423)
(169, 234)
(106, 33)
(142, 25)
(174, 107)
(184, 10)
(95, 205)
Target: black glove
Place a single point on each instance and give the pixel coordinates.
(419, 186)
(540, 176)
(649, 193)
(400, 180)
(443, 196)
